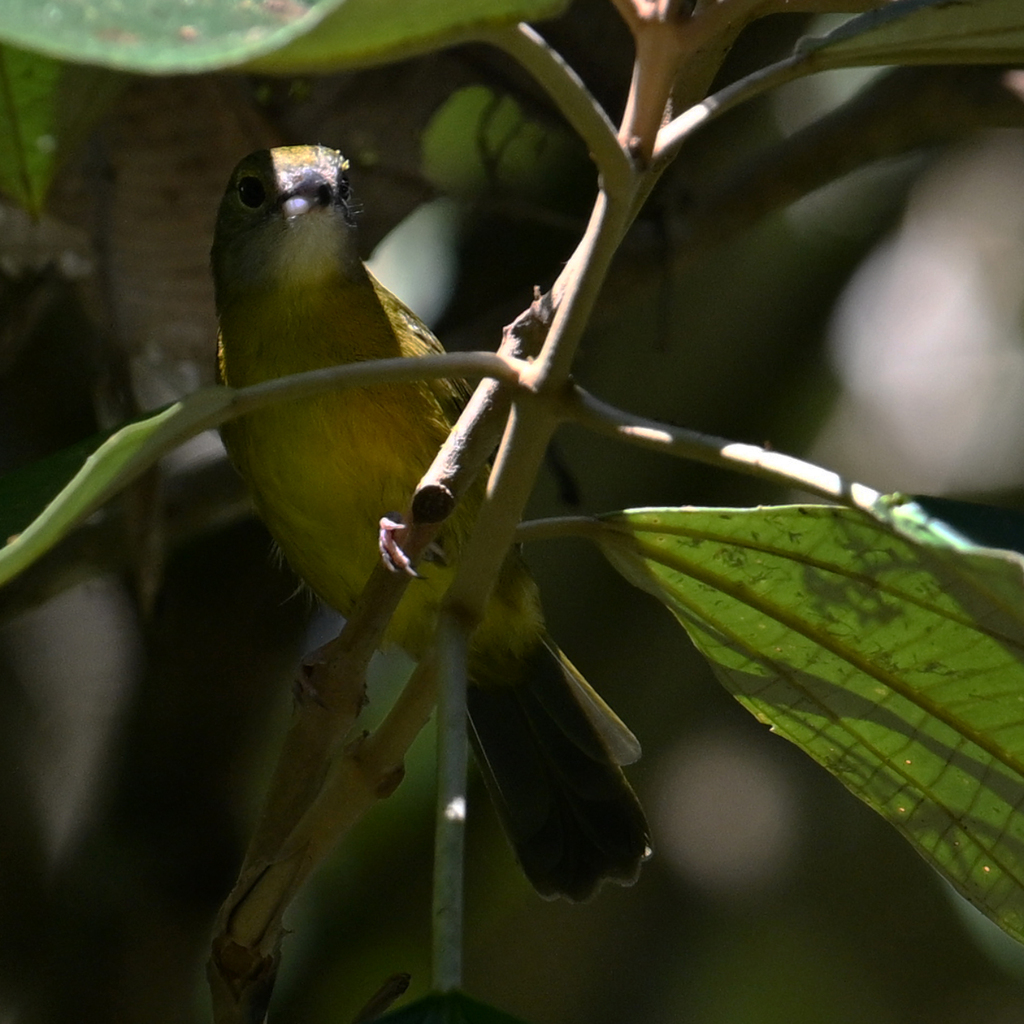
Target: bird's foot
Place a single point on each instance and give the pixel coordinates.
(390, 545)
(391, 550)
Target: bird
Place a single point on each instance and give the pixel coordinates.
(292, 295)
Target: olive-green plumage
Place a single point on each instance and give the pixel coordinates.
(293, 295)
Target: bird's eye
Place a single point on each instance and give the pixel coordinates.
(251, 192)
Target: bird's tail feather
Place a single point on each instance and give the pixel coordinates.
(550, 750)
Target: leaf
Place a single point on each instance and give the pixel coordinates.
(158, 36)
(924, 32)
(896, 663)
(980, 525)
(175, 36)
(74, 483)
(364, 32)
(900, 32)
(448, 1008)
(46, 108)
(481, 141)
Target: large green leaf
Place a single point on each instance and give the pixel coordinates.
(897, 663)
(924, 32)
(368, 32)
(157, 36)
(174, 36)
(46, 108)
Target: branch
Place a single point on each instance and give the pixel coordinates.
(316, 795)
(400, 370)
(678, 52)
(450, 826)
(313, 797)
(677, 131)
(901, 111)
(590, 412)
(534, 418)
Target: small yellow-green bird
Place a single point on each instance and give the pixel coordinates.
(293, 295)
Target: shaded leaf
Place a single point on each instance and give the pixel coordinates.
(364, 32)
(26, 491)
(900, 32)
(924, 32)
(174, 36)
(448, 1008)
(897, 664)
(46, 108)
(481, 141)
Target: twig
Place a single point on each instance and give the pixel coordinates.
(460, 459)
(400, 370)
(672, 136)
(602, 418)
(473, 439)
(382, 999)
(533, 419)
(450, 827)
(310, 804)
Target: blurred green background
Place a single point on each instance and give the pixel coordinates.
(849, 291)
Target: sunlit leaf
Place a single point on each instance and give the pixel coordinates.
(158, 35)
(898, 664)
(450, 1008)
(925, 32)
(74, 483)
(173, 36)
(928, 517)
(46, 108)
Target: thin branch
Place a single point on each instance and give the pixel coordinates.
(450, 822)
(312, 800)
(678, 53)
(576, 291)
(400, 370)
(677, 131)
(901, 111)
(590, 412)
(476, 434)
(557, 528)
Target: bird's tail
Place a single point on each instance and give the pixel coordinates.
(550, 750)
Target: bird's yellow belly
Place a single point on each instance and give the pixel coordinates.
(321, 483)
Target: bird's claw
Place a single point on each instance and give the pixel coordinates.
(390, 548)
